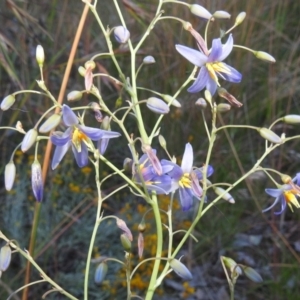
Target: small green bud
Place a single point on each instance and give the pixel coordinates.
(227, 197)
(121, 34)
(201, 103)
(200, 11)
(40, 55)
(180, 269)
(29, 139)
(81, 71)
(264, 56)
(269, 135)
(5, 257)
(127, 165)
(126, 243)
(291, 119)
(157, 105)
(221, 14)
(8, 102)
(100, 272)
(252, 274)
(162, 141)
(207, 96)
(50, 123)
(170, 99)
(90, 64)
(142, 226)
(240, 18)
(148, 60)
(105, 125)
(223, 107)
(9, 175)
(74, 96)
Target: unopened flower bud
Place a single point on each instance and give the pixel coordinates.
(221, 14)
(100, 272)
(126, 243)
(121, 34)
(142, 226)
(226, 196)
(127, 165)
(240, 18)
(74, 96)
(200, 11)
(232, 265)
(40, 55)
(269, 135)
(148, 60)
(8, 102)
(223, 107)
(157, 105)
(170, 99)
(207, 96)
(9, 175)
(5, 257)
(122, 225)
(291, 119)
(264, 56)
(81, 71)
(50, 123)
(201, 103)
(140, 245)
(180, 269)
(29, 139)
(162, 141)
(90, 64)
(252, 274)
(105, 125)
(37, 181)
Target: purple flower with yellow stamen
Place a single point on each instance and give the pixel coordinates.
(211, 65)
(286, 195)
(147, 173)
(186, 179)
(77, 136)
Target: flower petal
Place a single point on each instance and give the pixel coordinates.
(102, 145)
(186, 198)
(283, 206)
(274, 192)
(227, 48)
(216, 51)
(59, 138)
(59, 153)
(82, 156)
(200, 82)
(69, 116)
(187, 159)
(95, 133)
(231, 75)
(195, 57)
(211, 85)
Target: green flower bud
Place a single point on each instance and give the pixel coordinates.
(100, 272)
(81, 71)
(126, 243)
(50, 123)
(74, 96)
(29, 139)
(127, 165)
(223, 107)
(105, 125)
(157, 105)
(227, 197)
(121, 34)
(207, 96)
(240, 18)
(264, 56)
(8, 102)
(221, 14)
(180, 269)
(291, 119)
(170, 99)
(162, 141)
(232, 265)
(90, 64)
(200, 11)
(9, 175)
(201, 103)
(252, 274)
(269, 135)
(148, 60)
(5, 257)
(40, 55)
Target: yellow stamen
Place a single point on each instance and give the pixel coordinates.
(185, 181)
(77, 138)
(290, 199)
(212, 73)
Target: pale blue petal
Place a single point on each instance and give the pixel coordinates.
(82, 156)
(102, 145)
(186, 198)
(59, 138)
(283, 206)
(187, 159)
(195, 57)
(232, 76)
(59, 153)
(216, 51)
(199, 172)
(296, 179)
(274, 192)
(176, 173)
(200, 82)
(227, 48)
(69, 118)
(211, 85)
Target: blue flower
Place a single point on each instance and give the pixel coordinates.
(77, 136)
(160, 183)
(286, 195)
(186, 179)
(211, 65)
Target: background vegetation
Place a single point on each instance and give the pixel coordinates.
(268, 243)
